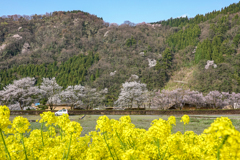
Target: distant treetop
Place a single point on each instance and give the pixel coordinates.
(182, 21)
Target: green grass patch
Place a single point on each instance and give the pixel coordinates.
(196, 124)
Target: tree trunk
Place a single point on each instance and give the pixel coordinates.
(51, 106)
(20, 105)
(131, 103)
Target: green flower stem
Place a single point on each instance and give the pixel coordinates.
(164, 153)
(61, 132)
(42, 134)
(113, 148)
(157, 142)
(123, 144)
(223, 142)
(184, 128)
(32, 155)
(5, 146)
(115, 153)
(69, 147)
(170, 128)
(63, 155)
(24, 147)
(50, 131)
(107, 145)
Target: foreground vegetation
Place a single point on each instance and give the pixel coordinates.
(115, 139)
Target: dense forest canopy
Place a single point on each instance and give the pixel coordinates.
(79, 48)
(182, 21)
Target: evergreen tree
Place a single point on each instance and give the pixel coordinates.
(92, 78)
(236, 40)
(158, 66)
(217, 55)
(167, 58)
(97, 73)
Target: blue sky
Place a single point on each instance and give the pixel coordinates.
(117, 11)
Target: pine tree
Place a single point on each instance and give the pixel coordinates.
(92, 78)
(158, 66)
(97, 73)
(216, 55)
(167, 58)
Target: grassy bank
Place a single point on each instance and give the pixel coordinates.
(196, 124)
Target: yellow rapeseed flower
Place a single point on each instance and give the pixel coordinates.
(185, 119)
(115, 139)
(4, 117)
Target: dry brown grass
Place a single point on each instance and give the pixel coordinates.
(180, 79)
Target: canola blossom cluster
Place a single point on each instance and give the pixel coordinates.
(114, 140)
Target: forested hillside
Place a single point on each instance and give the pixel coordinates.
(182, 21)
(79, 48)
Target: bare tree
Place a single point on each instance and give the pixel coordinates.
(130, 24)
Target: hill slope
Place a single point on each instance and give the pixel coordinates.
(79, 48)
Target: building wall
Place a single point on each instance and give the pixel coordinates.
(139, 112)
(55, 107)
(59, 107)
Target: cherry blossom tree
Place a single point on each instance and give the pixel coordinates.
(3, 101)
(214, 99)
(210, 63)
(73, 95)
(226, 99)
(21, 91)
(51, 91)
(14, 106)
(166, 99)
(162, 99)
(130, 92)
(195, 98)
(179, 97)
(234, 98)
(148, 97)
(92, 96)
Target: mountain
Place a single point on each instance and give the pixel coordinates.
(79, 48)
